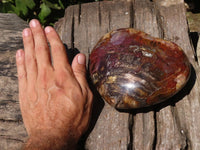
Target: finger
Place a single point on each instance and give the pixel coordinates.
(88, 105)
(30, 61)
(22, 80)
(79, 69)
(42, 52)
(87, 110)
(60, 60)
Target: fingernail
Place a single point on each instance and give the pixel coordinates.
(48, 29)
(33, 23)
(81, 59)
(26, 32)
(19, 54)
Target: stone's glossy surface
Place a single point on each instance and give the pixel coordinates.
(131, 69)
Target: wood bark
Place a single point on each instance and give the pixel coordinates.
(171, 125)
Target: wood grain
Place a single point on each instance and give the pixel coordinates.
(85, 25)
(12, 131)
(171, 125)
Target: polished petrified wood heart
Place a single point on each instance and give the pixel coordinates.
(131, 69)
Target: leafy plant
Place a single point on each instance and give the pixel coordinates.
(46, 11)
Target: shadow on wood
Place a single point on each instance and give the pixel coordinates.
(169, 125)
(98, 103)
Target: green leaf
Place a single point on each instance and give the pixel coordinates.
(21, 8)
(61, 4)
(30, 4)
(44, 13)
(7, 1)
(51, 5)
(7, 8)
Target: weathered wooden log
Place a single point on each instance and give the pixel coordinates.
(198, 50)
(171, 125)
(12, 131)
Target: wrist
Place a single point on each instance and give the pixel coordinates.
(50, 141)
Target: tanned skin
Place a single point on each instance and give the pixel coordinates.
(55, 98)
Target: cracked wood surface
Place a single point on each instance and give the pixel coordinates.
(12, 131)
(171, 125)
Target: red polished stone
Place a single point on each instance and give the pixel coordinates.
(131, 69)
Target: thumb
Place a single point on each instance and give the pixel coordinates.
(79, 69)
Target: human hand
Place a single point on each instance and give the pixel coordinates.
(55, 100)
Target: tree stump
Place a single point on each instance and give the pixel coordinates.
(171, 125)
